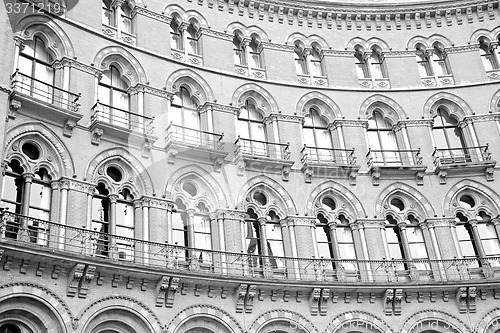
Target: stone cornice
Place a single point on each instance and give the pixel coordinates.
(154, 202)
(68, 62)
(284, 117)
(482, 117)
(399, 54)
(218, 107)
(350, 123)
(77, 185)
(415, 123)
(304, 221)
(152, 14)
(439, 222)
(359, 15)
(463, 48)
(216, 34)
(140, 87)
(278, 47)
(338, 53)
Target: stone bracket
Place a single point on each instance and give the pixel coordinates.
(96, 136)
(68, 128)
(315, 299)
(392, 301)
(466, 299)
(245, 295)
(79, 279)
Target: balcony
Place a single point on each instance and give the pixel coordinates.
(329, 163)
(395, 164)
(463, 161)
(121, 124)
(194, 144)
(263, 155)
(44, 101)
(25, 237)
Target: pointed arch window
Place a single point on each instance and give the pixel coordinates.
(192, 39)
(125, 224)
(114, 100)
(382, 140)
(300, 60)
(250, 125)
(447, 133)
(377, 66)
(316, 63)
(239, 50)
(29, 195)
(371, 68)
(175, 35)
(423, 62)
(101, 220)
(317, 137)
(35, 67)
(488, 55)
(117, 15)
(361, 62)
(255, 60)
(185, 119)
(264, 238)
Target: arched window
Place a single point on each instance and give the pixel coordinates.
(175, 36)
(9, 328)
(316, 66)
(191, 229)
(376, 63)
(114, 100)
(29, 195)
(264, 238)
(101, 220)
(250, 125)
(185, 118)
(300, 60)
(125, 224)
(438, 58)
(254, 54)
(36, 72)
(488, 56)
(423, 62)
(317, 137)
(335, 241)
(477, 238)
(192, 39)
(116, 16)
(446, 132)
(361, 62)
(239, 50)
(382, 139)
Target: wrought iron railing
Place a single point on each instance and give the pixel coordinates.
(257, 148)
(45, 92)
(193, 137)
(394, 158)
(121, 118)
(328, 155)
(31, 233)
(462, 155)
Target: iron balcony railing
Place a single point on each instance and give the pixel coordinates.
(121, 118)
(328, 155)
(394, 158)
(193, 137)
(257, 148)
(462, 155)
(21, 231)
(44, 92)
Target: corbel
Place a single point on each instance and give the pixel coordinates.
(442, 174)
(310, 18)
(274, 295)
(397, 20)
(462, 299)
(100, 279)
(373, 297)
(252, 289)
(74, 276)
(270, 12)
(319, 19)
(408, 297)
(184, 288)
(24, 266)
(290, 16)
(210, 292)
(378, 22)
(241, 292)
(446, 296)
(1, 254)
(419, 177)
(428, 23)
(146, 149)
(286, 295)
(260, 295)
(300, 17)
(308, 174)
(172, 154)
(161, 290)
(398, 297)
(323, 302)
(223, 293)
(329, 21)
(458, 15)
(197, 290)
(489, 173)
(408, 21)
(496, 293)
(15, 105)
(433, 296)
(7, 263)
(491, 11)
(55, 272)
(116, 279)
(130, 283)
(437, 16)
(298, 297)
(375, 173)
(261, 11)
(172, 290)
(39, 269)
(230, 7)
(218, 162)
(352, 177)
(335, 296)
(420, 296)
(347, 298)
(96, 136)
(251, 8)
(418, 22)
(468, 12)
(144, 284)
(357, 20)
(88, 275)
(471, 299)
(388, 301)
(388, 25)
(447, 16)
(360, 297)
(281, 14)
(368, 22)
(480, 14)
(483, 294)
(348, 21)
(315, 296)
(210, 4)
(241, 8)
(68, 128)
(220, 5)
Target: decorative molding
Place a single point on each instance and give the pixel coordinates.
(203, 310)
(73, 63)
(463, 48)
(350, 123)
(152, 14)
(399, 54)
(216, 34)
(141, 87)
(284, 117)
(338, 53)
(278, 47)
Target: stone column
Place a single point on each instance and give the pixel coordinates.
(158, 215)
(24, 233)
(141, 232)
(113, 248)
(496, 223)
(54, 201)
(222, 241)
(116, 5)
(263, 243)
(19, 46)
(373, 233)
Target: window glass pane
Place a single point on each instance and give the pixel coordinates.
(99, 210)
(467, 249)
(462, 232)
(391, 235)
(257, 131)
(418, 251)
(10, 190)
(491, 247)
(124, 232)
(242, 129)
(201, 224)
(486, 230)
(344, 235)
(40, 196)
(388, 140)
(324, 250)
(309, 137)
(25, 65)
(202, 241)
(347, 251)
(321, 236)
(454, 137)
(395, 252)
(125, 214)
(414, 234)
(439, 138)
(373, 140)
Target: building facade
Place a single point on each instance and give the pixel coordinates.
(250, 166)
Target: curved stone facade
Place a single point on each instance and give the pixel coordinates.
(250, 166)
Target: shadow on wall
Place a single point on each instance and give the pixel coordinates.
(16, 9)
